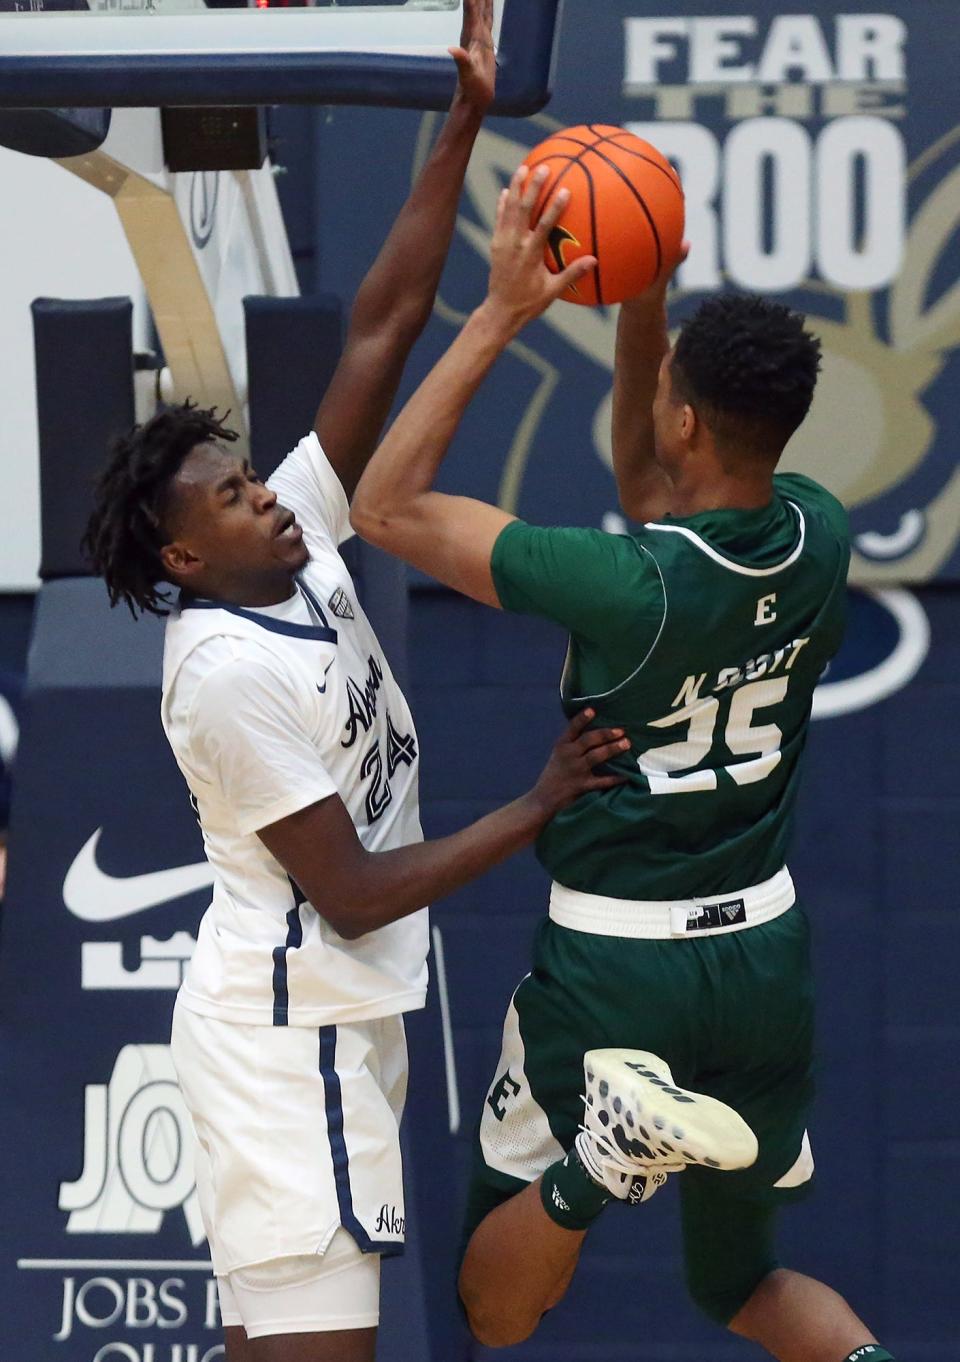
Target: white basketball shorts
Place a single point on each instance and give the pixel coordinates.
(297, 1135)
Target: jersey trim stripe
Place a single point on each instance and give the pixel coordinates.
(313, 602)
(333, 1102)
(745, 571)
(281, 997)
(602, 695)
(318, 633)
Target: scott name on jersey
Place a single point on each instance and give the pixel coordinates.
(728, 677)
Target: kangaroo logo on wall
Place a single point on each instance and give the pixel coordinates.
(137, 1151)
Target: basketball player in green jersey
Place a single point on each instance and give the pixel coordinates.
(672, 977)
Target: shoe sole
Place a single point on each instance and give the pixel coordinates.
(650, 1121)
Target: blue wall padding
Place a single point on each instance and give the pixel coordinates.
(293, 345)
(84, 357)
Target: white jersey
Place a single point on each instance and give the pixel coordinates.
(268, 711)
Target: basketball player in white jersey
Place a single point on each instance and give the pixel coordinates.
(301, 757)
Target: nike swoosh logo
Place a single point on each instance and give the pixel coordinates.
(94, 896)
(323, 689)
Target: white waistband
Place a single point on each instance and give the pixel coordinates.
(660, 919)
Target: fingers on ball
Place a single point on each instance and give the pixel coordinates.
(627, 209)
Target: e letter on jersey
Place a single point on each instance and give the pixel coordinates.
(765, 611)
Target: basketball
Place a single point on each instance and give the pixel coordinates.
(626, 208)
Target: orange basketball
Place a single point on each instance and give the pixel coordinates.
(626, 208)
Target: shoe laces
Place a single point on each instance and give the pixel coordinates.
(608, 1150)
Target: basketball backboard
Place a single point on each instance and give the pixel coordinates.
(136, 53)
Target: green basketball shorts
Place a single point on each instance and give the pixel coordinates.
(732, 1014)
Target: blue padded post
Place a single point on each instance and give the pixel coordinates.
(84, 358)
(293, 347)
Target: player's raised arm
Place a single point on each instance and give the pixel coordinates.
(395, 299)
(452, 538)
(642, 344)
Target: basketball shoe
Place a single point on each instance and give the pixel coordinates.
(639, 1127)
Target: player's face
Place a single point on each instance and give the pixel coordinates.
(232, 539)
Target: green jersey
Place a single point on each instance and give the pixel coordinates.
(704, 639)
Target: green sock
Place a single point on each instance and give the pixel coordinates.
(870, 1352)
(569, 1194)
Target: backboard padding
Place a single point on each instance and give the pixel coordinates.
(284, 56)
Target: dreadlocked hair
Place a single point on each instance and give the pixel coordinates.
(751, 366)
(126, 530)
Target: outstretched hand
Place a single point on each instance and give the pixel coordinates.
(521, 286)
(476, 57)
(571, 770)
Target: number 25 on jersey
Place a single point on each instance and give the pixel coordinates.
(671, 769)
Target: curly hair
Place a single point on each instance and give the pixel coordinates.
(126, 530)
(751, 367)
